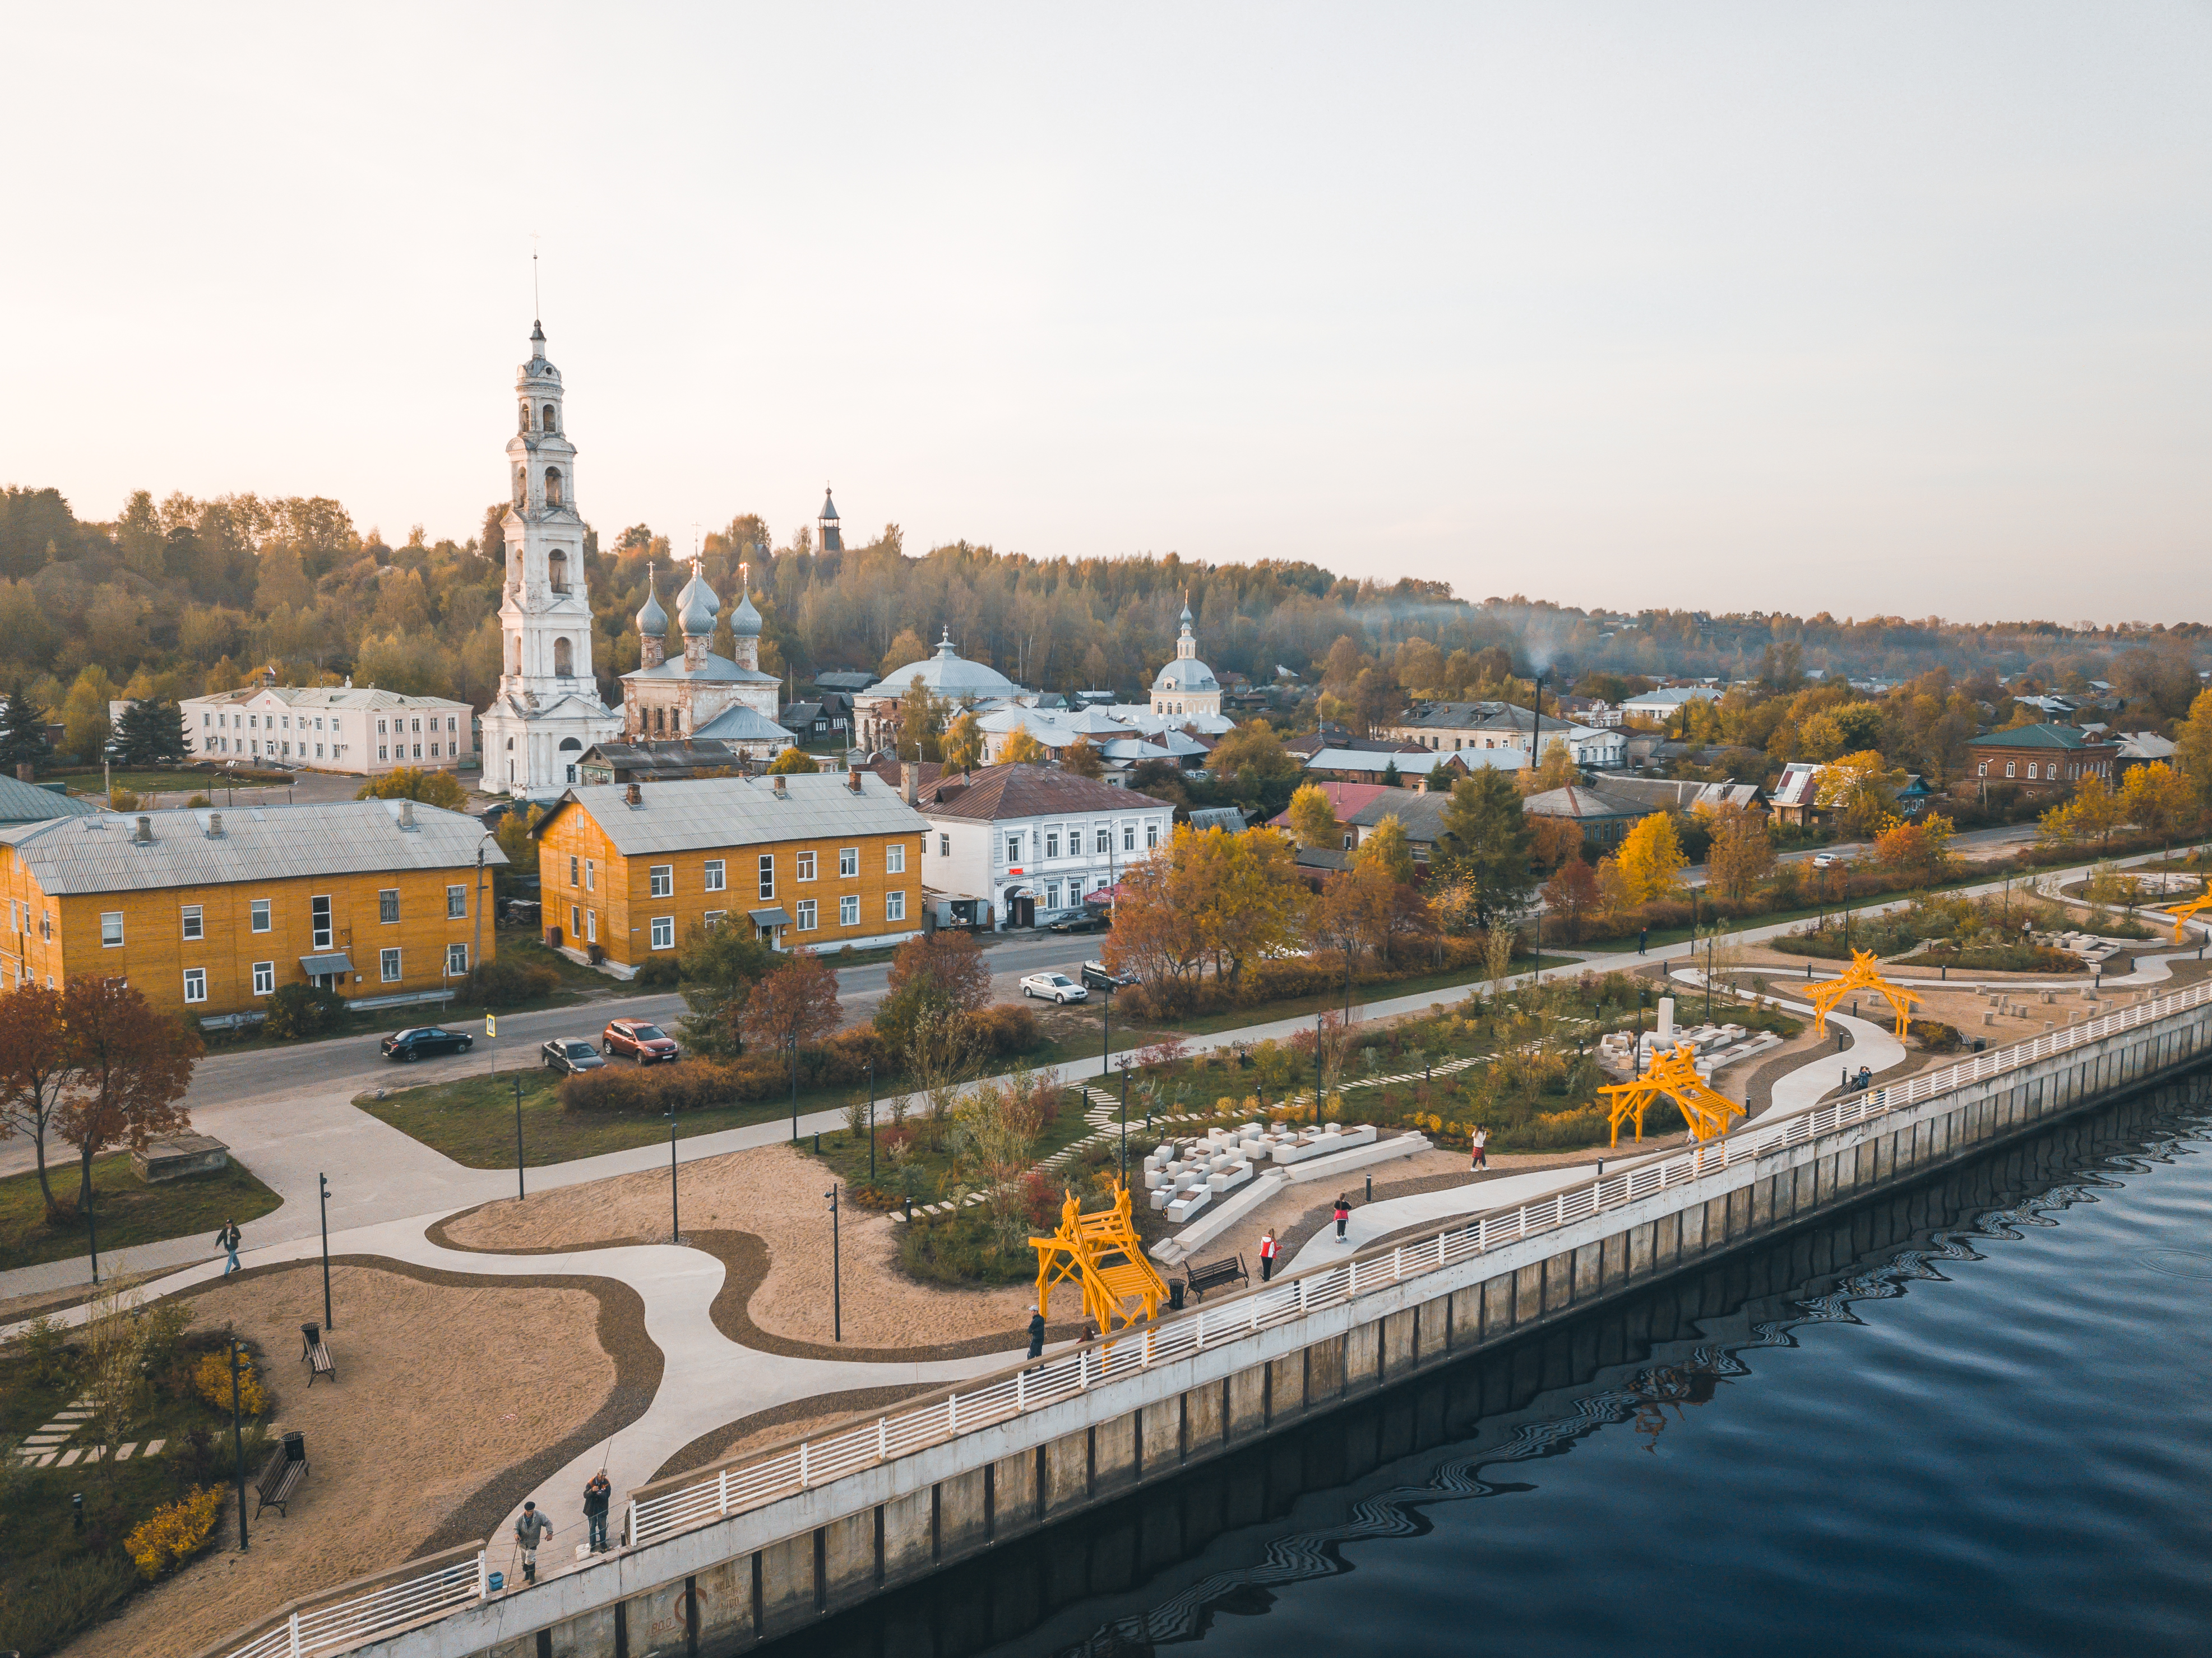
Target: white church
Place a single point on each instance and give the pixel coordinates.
(547, 712)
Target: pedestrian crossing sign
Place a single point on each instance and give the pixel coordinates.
(491, 1024)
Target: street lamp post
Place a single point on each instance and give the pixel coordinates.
(871, 1122)
(1124, 1120)
(791, 1047)
(476, 951)
(237, 1444)
(836, 1284)
(675, 1215)
(519, 1193)
(92, 1237)
(324, 1182)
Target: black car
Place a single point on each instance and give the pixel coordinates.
(426, 1039)
(565, 1053)
(1092, 920)
(1098, 976)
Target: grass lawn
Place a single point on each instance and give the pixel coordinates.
(128, 1211)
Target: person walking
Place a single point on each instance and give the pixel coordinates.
(227, 1241)
(597, 1494)
(1267, 1256)
(529, 1531)
(1037, 1333)
(1343, 1215)
(1478, 1151)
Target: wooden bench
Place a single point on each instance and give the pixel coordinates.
(278, 1481)
(315, 1354)
(1198, 1279)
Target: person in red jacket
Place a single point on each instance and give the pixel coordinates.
(1343, 1214)
(1267, 1256)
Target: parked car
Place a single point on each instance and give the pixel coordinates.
(1104, 978)
(1826, 860)
(565, 1053)
(640, 1038)
(1090, 920)
(426, 1039)
(1056, 987)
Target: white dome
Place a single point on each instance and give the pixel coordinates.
(947, 674)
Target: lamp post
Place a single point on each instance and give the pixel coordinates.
(836, 1286)
(791, 1047)
(519, 1193)
(871, 1122)
(237, 1444)
(476, 951)
(324, 1182)
(675, 1215)
(92, 1238)
(1124, 1120)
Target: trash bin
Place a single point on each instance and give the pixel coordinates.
(311, 1334)
(1175, 1295)
(496, 1581)
(295, 1447)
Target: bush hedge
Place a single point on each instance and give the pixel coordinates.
(504, 984)
(1289, 977)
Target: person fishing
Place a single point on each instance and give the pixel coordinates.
(598, 1494)
(529, 1531)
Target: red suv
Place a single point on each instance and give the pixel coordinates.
(640, 1039)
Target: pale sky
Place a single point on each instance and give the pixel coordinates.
(1869, 308)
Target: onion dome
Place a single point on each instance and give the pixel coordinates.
(652, 620)
(744, 621)
(696, 615)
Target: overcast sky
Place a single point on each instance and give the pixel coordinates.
(1867, 308)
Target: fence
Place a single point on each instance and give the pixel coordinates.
(386, 1611)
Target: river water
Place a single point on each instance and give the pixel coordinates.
(1974, 1417)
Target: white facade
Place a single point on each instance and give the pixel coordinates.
(548, 710)
(367, 732)
(1055, 861)
(1186, 686)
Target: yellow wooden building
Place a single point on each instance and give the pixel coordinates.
(811, 861)
(210, 912)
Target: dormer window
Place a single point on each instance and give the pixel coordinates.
(546, 419)
(552, 486)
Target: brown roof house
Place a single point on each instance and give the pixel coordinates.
(2041, 759)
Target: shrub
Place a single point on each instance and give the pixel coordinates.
(38, 1613)
(212, 1382)
(1007, 1029)
(662, 973)
(174, 1535)
(504, 984)
(1935, 1035)
(298, 1011)
(650, 1091)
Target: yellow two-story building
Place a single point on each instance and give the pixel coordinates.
(207, 912)
(809, 862)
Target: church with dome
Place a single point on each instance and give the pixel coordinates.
(1186, 687)
(949, 676)
(690, 693)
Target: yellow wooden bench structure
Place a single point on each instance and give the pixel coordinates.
(1861, 974)
(1672, 1075)
(1100, 1254)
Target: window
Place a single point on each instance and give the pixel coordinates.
(193, 928)
(2008, 766)
(552, 486)
(457, 961)
(576, 920)
(848, 862)
(664, 932)
(1128, 837)
(767, 875)
(849, 910)
(591, 926)
(418, 750)
(1105, 838)
(387, 906)
(320, 910)
(380, 728)
(590, 875)
(1052, 843)
(196, 984)
(1051, 894)
(713, 919)
(264, 978)
(807, 915)
(805, 866)
(564, 660)
(662, 878)
(457, 903)
(714, 875)
(1152, 833)
(111, 930)
(387, 966)
(895, 906)
(895, 858)
(1013, 848)
(383, 752)
(573, 867)
(944, 845)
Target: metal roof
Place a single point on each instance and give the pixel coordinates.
(27, 803)
(739, 724)
(699, 813)
(203, 847)
(712, 667)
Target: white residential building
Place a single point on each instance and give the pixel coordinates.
(362, 731)
(1017, 845)
(1657, 708)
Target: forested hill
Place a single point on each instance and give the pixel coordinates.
(182, 595)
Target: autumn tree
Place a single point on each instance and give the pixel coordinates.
(995, 1128)
(1082, 758)
(1209, 897)
(797, 1004)
(1486, 844)
(904, 650)
(2094, 810)
(1917, 851)
(2159, 800)
(1252, 757)
(1313, 819)
(1556, 839)
(1573, 896)
(1741, 851)
(1020, 748)
(1354, 914)
(940, 971)
(2192, 744)
(963, 742)
(432, 788)
(1650, 858)
(794, 760)
(34, 1071)
(1859, 790)
(1386, 845)
(720, 965)
(1557, 771)
(128, 1068)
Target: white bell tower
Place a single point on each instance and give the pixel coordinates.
(548, 711)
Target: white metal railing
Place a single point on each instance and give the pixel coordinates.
(386, 1611)
(812, 1463)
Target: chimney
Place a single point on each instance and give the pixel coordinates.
(145, 836)
(853, 779)
(25, 770)
(910, 775)
(634, 795)
(215, 826)
(407, 814)
(777, 779)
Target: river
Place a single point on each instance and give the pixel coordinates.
(1973, 1417)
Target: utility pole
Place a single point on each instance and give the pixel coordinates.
(519, 1193)
(837, 1282)
(92, 1236)
(791, 1045)
(1124, 1122)
(238, 1444)
(674, 1217)
(324, 1183)
(871, 1122)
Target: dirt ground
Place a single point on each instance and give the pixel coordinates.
(775, 1194)
(430, 1404)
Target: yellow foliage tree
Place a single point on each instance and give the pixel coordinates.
(211, 1381)
(962, 743)
(2094, 812)
(1386, 848)
(1859, 789)
(1023, 749)
(2159, 800)
(1650, 858)
(1742, 850)
(794, 760)
(1558, 769)
(1313, 819)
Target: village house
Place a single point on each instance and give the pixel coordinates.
(209, 912)
(811, 861)
(2041, 759)
(364, 732)
(1014, 846)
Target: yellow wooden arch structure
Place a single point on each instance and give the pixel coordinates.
(1101, 1253)
(2183, 912)
(1861, 976)
(1675, 1077)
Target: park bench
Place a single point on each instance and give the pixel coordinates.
(1215, 1273)
(315, 1354)
(286, 1467)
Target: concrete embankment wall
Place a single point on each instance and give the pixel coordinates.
(771, 1570)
